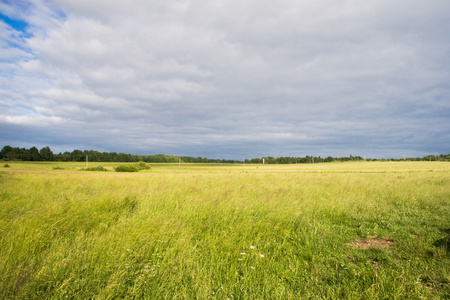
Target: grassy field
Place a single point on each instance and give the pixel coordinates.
(361, 230)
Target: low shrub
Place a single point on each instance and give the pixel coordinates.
(6, 165)
(126, 168)
(142, 166)
(133, 168)
(98, 168)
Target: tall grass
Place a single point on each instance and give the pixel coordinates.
(225, 231)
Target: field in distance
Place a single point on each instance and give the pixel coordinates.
(217, 231)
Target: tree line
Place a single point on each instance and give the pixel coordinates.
(317, 159)
(46, 154)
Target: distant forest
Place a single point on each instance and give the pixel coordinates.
(46, 154)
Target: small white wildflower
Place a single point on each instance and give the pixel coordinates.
(240, 259)
(262, 255)
(252, 247)
(128, 249)
(243, 253)
(252, 267)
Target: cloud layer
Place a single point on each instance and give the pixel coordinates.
(227, 79)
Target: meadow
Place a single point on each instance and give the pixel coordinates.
(357, 230)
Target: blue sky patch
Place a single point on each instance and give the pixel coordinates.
(16, 24)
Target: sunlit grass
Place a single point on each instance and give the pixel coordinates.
(225, 231)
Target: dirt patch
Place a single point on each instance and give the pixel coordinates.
(372, 242)
(376, 264)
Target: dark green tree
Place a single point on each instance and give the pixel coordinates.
(46, 154)
(6, 150)
(77, 155)
(34, 154)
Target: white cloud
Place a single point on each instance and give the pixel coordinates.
(226, 75)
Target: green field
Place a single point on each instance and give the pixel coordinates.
(360, 230)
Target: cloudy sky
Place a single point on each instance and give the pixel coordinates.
(227, 78)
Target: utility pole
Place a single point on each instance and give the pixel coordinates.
(87, 162)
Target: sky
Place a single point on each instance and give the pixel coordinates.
(226, 78)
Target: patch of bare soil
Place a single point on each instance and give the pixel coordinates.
(372, 242)
(376, 264)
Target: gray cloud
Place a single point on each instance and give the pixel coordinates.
(228, 78)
